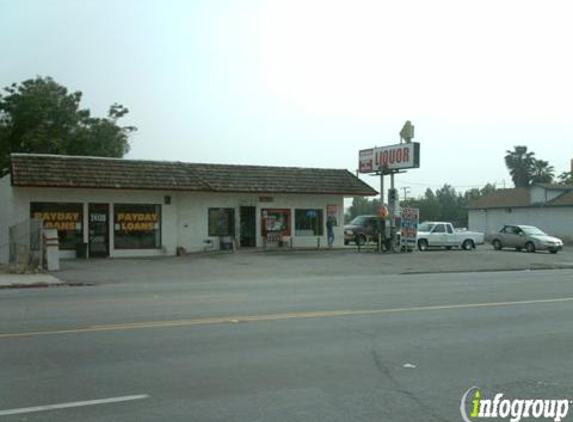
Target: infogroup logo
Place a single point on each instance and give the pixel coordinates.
(512, 409)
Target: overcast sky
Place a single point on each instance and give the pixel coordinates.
(310, 83)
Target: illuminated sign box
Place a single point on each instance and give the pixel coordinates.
(392, 157)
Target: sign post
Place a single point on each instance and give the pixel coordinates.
(390, 160)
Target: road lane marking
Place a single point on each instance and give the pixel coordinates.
(72, 404)
(188, 298)
(279, 317)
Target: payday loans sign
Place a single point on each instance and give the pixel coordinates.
(388, 158)
(136, 221)
(59, 220)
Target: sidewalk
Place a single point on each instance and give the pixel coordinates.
(13, 281)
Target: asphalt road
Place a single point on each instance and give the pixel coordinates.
(337, 348)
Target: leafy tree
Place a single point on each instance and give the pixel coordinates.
(476, 193)
(362, 206)
(449, 201)
(41, 116)
(445, 204)
(566, 178)
(520, 164)
(542, 172)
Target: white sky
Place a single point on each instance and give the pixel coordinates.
(309, 83)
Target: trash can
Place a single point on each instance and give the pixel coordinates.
(81, 250)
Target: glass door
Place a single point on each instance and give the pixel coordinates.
(248, 227)
(98, 226)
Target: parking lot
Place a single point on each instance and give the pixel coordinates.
(253, 265)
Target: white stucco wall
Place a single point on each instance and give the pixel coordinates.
(6, 216)
(193, 215)
(184, 221)
(557, 221)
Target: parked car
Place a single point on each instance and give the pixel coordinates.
(362, 229)
(521, 237)
(440, 234)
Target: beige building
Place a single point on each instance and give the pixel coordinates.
(120, 208)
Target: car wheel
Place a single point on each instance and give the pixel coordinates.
(468, 244)
(530, 247)
(360, 240)
(496, 244)
(423, 245)
(346, 242)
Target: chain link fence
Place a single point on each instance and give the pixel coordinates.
(26, 245)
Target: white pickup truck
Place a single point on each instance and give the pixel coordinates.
(439, 234)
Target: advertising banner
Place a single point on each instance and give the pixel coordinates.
(392, 157)
(409, 228)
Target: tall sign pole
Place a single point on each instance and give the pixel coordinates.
(381, 188)
(391, 160)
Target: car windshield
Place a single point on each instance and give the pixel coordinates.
(359, 221)
(533, 231)
(426, 227)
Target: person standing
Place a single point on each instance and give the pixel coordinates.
(330, 223)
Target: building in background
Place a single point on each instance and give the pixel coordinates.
(549, 207)
(121, 208)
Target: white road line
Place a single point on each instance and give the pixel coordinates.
(72, 404)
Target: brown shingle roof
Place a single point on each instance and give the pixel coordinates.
(94, 172)
(554, 186)
(563, 199)
(519, 197)
(503, 198)
(87, 172)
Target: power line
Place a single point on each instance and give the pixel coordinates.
(409, 182)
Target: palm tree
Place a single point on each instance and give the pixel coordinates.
(542, 172)
(520, 165)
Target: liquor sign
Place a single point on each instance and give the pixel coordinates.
(392, 157)
(409, 227)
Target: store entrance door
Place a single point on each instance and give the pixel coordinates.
(98, 226)
(248, 233)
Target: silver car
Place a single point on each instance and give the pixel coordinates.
(529, 238)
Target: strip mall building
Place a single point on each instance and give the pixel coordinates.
(126, 208)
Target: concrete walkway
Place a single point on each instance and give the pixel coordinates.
(12, 281)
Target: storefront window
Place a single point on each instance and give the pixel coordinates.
(308, 222)
(137, 226)
(275, 221)
(66, 218)
(221, 222)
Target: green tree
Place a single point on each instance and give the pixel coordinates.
(542, 172)
(566, 178)
(449, 202)
(520, 164)
(41, 116)
(362, 206)
(476, 193)
(445, 204)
